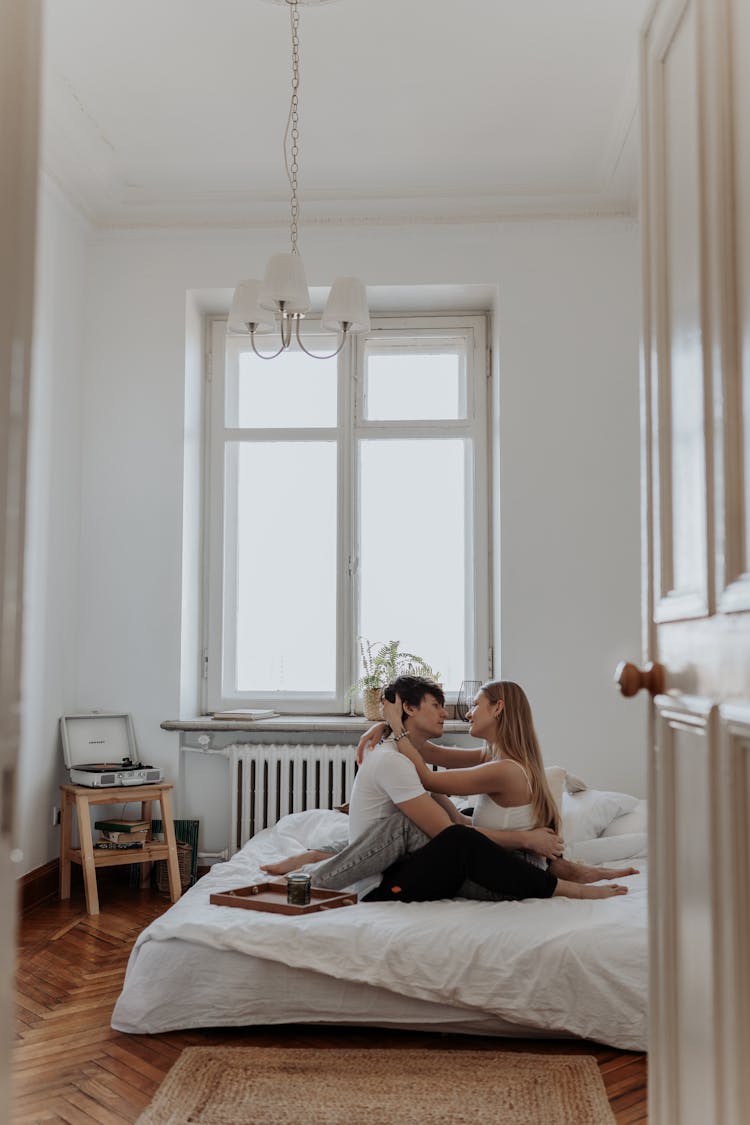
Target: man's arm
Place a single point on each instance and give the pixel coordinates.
(457, 817)
(541, 841)
(427, 814)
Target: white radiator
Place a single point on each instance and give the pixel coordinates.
(267, 782)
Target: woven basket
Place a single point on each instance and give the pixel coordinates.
(185, 864)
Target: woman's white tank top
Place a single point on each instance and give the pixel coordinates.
(488, 814)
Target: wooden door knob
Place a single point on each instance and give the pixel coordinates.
(631, 679)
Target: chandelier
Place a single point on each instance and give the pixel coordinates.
(279, 302)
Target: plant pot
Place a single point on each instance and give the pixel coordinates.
(372, 707)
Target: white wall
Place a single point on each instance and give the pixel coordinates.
(567, 326)
(569, 423)
(51, 587)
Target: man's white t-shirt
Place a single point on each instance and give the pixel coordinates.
(384, 780)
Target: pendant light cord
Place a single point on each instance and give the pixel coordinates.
(291, 151)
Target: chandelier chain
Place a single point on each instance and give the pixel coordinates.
(291, 135)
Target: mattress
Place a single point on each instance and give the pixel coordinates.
(554, 967)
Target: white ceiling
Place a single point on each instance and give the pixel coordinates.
(172, 112)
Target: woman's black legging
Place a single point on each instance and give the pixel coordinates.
(456, 854)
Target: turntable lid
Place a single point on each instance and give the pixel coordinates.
(98, 737)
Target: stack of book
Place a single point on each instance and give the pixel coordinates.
(246, 714)
(119, 834)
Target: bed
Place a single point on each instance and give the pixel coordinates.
(538, 968)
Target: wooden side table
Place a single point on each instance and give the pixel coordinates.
(77, 800)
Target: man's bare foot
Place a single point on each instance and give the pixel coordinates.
(293, 862)
(586, 873)
(567, 889)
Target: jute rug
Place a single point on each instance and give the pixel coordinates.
(316, 1086)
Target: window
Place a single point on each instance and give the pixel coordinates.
(347, 497)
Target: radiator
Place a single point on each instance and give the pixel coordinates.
(267, 782)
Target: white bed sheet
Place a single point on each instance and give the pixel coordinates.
(538, 967)
(177, 984)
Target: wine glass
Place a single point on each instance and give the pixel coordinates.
(466, 693)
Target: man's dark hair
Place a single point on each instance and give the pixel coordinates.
(412, 690)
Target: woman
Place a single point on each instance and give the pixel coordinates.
(507, 776)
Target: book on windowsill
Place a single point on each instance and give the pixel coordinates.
(246, 713)
(119, 824)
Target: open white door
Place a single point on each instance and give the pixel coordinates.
(19, 70)
(696, 466)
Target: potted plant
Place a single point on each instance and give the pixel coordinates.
(383, 661)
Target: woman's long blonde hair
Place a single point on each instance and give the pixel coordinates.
(516, 738)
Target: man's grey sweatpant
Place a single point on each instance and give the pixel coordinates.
(380, 846)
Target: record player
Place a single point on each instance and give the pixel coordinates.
(100, 751)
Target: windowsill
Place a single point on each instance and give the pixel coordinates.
(299, 723)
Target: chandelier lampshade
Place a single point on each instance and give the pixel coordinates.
(347, 305)
(280, 301)
(285, 285)
(246, 310)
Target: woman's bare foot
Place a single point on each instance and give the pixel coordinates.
(610, 872)
(585, 873)
(293, 862)
(578, 890)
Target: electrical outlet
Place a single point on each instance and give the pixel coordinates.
(55, 816)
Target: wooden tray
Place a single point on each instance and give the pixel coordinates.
(272, 897)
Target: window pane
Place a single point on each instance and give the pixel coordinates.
(418, 384)
(292, 390)
(412, 581)
(286, 567)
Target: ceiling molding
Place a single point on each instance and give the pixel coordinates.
(624, 132)
(111, 209)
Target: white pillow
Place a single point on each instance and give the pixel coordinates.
(609, 849)
(586, 815)
(574, 784)
(315, 828)
(556, 781)
(635, 821)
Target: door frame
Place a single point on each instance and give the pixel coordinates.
(20, 52)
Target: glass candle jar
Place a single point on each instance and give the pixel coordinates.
(298, 890)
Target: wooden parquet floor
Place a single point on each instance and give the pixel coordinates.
(70, 1066)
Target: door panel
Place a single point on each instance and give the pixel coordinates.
(695, 1024)
(682, 893)
(696, 357)
(680, 551)
(683, 499)
(734, 885)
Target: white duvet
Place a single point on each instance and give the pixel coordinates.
(556, 965)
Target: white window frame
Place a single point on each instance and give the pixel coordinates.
(352, 426)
